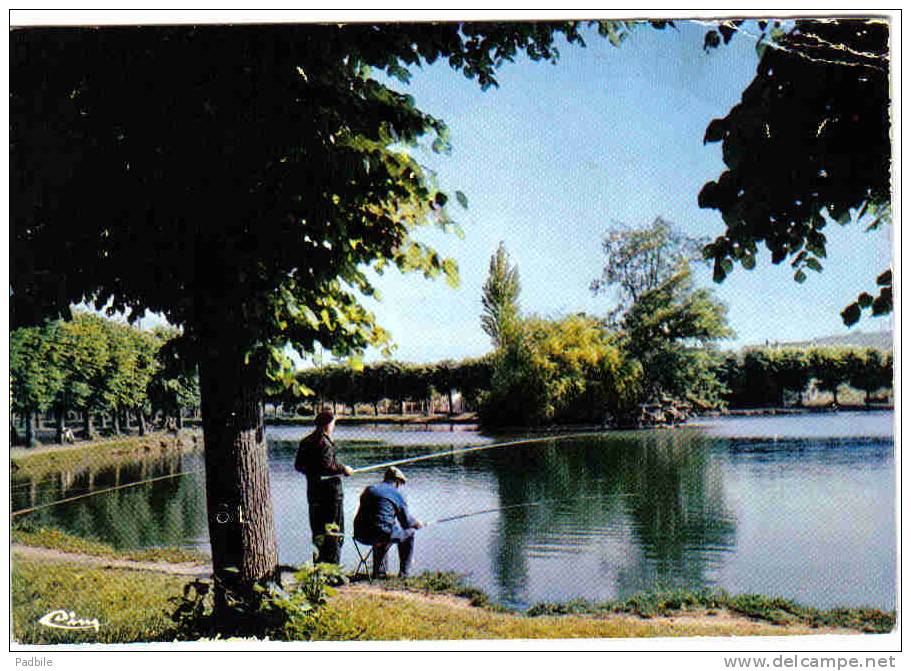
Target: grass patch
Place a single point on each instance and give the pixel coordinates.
(98, 454)
(26, 533)
(131, 606)
(134, 606)
(443, 582)
(775, 610)
(400, 616)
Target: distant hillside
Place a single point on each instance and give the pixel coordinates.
(877, 339)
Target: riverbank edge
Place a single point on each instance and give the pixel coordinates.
(40, 461)
(450, 596)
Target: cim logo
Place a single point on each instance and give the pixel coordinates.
(63, 619)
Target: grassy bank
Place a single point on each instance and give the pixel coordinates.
(97, 454)
(134, 605)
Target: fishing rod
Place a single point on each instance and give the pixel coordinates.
(475, 513)
(464, 450)
(99, 491)
(365, 469)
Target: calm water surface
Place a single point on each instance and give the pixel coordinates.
(798, 506)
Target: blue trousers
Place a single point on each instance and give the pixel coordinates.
(404, 539)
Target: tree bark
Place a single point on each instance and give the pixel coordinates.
(60, 424)
(126, 421)
(115, 419)
(178, 416)
(449, 397)
(141, 421)
(238, 497)
(88, 429)
(29, 428)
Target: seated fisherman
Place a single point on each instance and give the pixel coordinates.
(383, 519)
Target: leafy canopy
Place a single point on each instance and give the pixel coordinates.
(807, 144)
(640, 260)
(256, 171)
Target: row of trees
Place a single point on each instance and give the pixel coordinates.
(763, 377)
(577, 368)
(395, 381)
(94, 365)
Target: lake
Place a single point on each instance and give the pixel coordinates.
(800, 506)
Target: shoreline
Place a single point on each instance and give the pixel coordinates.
(431, 605)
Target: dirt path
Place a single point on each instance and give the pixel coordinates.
(189, 569)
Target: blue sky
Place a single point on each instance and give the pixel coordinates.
(560, 153)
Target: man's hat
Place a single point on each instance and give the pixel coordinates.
(392, 473)
(324, 417)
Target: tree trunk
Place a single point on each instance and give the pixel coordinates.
(60, 424)
(449, 398)
(115, 419)
(29, 428)
(178, 416)
(835, 395)
(238, 499)
(376, 408)
(141, 421)
(126, 421)
(88, 429)
(401, 406)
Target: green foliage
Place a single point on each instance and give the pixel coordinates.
(393, 380)
(270, 611)
(765, 376)
(277, 170)
(175, 383)
(670, 330)
(808, 143)
(664, 323)
(500, 297)
(91, 364)
(36, 376)
(640, 260)
(831, 368)
(566, 370)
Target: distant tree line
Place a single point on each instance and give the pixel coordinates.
(779, 377)
(98, 368)
(388, 385)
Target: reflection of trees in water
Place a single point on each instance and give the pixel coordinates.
(166, 512)
(676, 504)
(659, 485)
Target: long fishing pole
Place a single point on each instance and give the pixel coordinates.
(464, 450)
(474, 513)
(365, 469)
(99, 491)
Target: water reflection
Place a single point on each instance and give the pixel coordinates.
(658, 494)
(168, 512)
(811, 519)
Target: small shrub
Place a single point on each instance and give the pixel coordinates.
(270, 611)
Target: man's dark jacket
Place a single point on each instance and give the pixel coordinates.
(381, 507)
(316, 456)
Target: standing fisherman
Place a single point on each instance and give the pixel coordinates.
(316, 459)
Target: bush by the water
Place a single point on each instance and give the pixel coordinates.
(271, 611)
